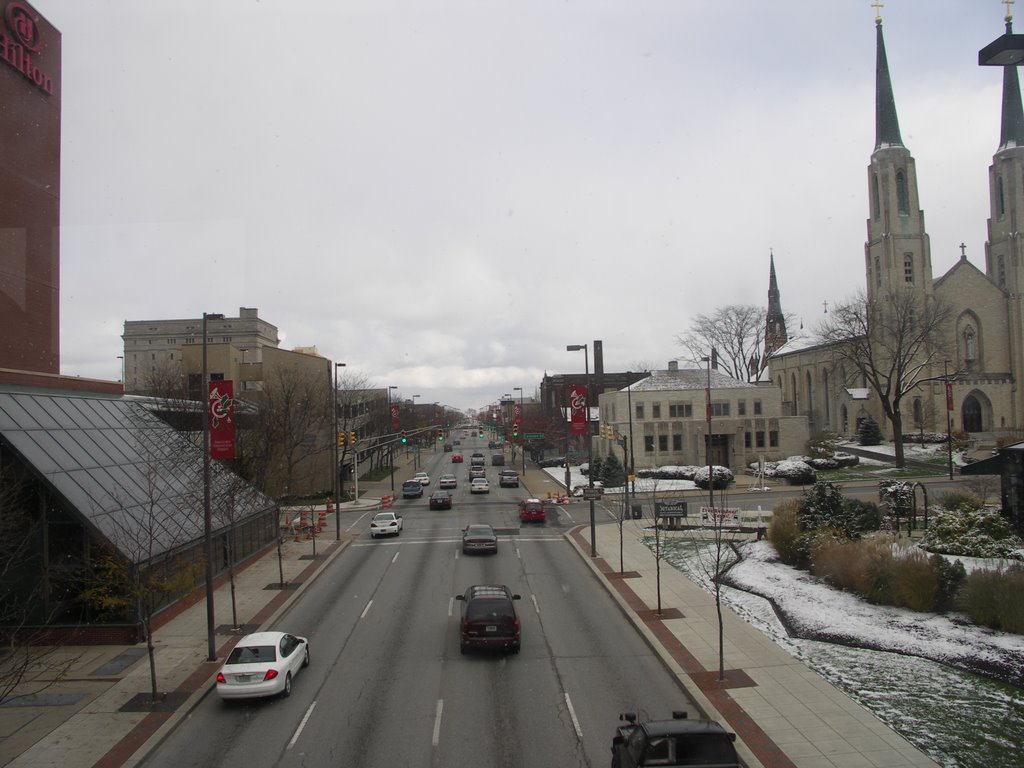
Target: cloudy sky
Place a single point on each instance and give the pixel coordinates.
(443, 194)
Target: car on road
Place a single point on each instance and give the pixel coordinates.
(412, 489)
(440, 500)
(475, 472)
(532, 511)
(498, 460)
(508, 478)
(422, 477)
(489, 620)
(457, 442)
(448, 448)
(447, 481)
(456, 458)
(385, 524)
(479, 485)
(678, 741)
(479, 537)
(262, 664)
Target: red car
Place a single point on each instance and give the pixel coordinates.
(531, 511)
(456, 458)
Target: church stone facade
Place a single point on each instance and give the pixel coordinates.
(984, 350)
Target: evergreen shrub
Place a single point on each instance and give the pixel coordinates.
(869, 433)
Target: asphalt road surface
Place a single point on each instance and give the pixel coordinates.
(388, 686)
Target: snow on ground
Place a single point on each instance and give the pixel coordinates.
(810, 608)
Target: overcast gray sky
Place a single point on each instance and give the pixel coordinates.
(443, 194)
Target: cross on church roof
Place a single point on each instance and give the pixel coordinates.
(963, 248)
(1009, 13)
(878, 9)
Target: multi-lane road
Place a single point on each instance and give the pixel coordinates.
(388, 686)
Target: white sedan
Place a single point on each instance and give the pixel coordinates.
(262, 664)
(447, 481)
(385, 524)
(479, 485)
(423, 477)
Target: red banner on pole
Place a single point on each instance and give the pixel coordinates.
(221, 404)
(949, 396)
(517, 414)
(578, 410)
(396, 409)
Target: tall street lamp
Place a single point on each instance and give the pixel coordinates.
(337, 468)
(707, 444)
(204, 396)
(522, 437)
(391, 447)
(590, 443)
(629, 407)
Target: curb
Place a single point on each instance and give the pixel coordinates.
(202, 691)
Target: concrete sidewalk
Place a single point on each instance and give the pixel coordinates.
(783, 713)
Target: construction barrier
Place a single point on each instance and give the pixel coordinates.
(386, 502)
(304, 522)
(321, 520)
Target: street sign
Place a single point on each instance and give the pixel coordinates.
(592, 494)
(534, 435)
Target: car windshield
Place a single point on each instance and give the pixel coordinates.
(691, 750)
(252, 654)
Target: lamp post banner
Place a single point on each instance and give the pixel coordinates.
(221, 402)
(395, 411)
(578, 409)
(517, 411)
(949, 396)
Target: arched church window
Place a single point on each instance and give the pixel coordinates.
(1000, 200)
(874, 197)
(795, 399)
(970, 352)
(918, 414)
(825, 394)
(810, 393)
(902, 201)
(878, 271)
(844, 418)
(1001, 270)
(908, 268)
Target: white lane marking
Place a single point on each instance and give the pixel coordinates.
(437, 723)
(518, 553)
(366, 610)
(535, 606)
(393, 559)
(295, 736)
(572, 714)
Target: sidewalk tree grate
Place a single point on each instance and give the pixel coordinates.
(311, 557)
(286, 585)
(166, 702)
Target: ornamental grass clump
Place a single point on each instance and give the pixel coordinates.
(971, 532)
(995, 598)
(785, 535)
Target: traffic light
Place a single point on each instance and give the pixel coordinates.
(341, 439)
(515, 430)
(351, 438)
(440, 434)
(481, 431)
(405, 439)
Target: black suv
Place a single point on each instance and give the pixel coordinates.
(673, 742)
(489, 619)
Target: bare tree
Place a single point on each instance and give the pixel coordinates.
(294, 426)
(27, 664)
(736, 334)
(893, 343)
(353, 415)
(145, 564)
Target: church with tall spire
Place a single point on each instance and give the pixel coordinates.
(985, 343)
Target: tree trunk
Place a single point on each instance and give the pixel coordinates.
(897, 438)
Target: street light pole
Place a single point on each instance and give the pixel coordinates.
(391, 443)
(337, 468)
(707, 445)
(632, 448)
(204, 396)
(590, 443)
(522, 437)
(948, 386)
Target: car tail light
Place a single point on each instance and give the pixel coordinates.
(220, 677)
(271, 674)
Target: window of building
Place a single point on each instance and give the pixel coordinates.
(878, 271)
(663, 443)
(746, 440)
(773, 439)
(908, 268)
(757, 407)
(172, 341)
(677, 442)
(1001, 271)
(759, 439)
(902, 199)
(640, 410)
(720, 409)
(1000, 198)
(680, 411)
(649, 443)
(741, 407)
(876, 208)
(655, 410)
